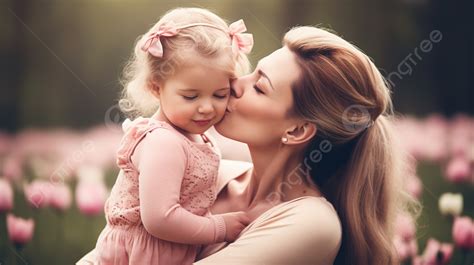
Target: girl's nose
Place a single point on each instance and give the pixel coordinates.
(206, 107)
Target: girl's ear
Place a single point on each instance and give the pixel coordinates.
(154, 87)
(300, 133)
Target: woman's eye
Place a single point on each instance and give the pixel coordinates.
(189, 97)
(259, 91)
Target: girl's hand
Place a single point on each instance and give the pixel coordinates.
(235, 222)
(255, 211)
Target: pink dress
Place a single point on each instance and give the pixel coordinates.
(182, 203)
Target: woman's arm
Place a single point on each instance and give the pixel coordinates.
(306, 231)
(161, 161)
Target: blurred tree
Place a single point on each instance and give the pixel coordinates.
(61, 61)
(12, 61)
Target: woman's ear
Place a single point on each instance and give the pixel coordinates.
(300, 133)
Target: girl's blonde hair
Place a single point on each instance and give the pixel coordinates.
(143, 69)
(342, 92)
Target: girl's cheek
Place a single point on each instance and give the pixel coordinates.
(224, 105)
(184, 110)
(220, 105)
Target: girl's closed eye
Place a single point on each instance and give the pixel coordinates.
(189, 97)
(221, 95)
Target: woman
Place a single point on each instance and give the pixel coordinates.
(324, 187)
(316, 117)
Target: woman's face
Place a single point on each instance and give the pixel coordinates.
(258, 113)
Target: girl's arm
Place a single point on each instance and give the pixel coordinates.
(161, 161)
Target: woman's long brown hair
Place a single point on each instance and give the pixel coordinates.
(342, 92)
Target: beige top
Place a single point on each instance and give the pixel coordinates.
(302, 231)
(305, 230)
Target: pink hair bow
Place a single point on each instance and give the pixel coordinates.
(240, 41)
(152, 43)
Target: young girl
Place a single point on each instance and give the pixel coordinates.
(158, 210)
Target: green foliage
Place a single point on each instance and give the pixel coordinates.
(431, 223)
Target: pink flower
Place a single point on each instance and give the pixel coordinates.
(408, 130)
(471, 245)
(405, 227)
(458, 169)
(20, 230)
(434, 136)
(461, 135)
(91, 196)
(12, 167)
(401, 248)
(463, 235)
(38, 193)
(6, 195)
(60, 196)
(437, 253)
(5, 142)
(418, 261)
(405, 249)
(414, 186)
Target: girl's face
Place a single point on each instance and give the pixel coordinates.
(195, 97)
(258, 114)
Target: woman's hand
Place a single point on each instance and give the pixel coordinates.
(235, 222)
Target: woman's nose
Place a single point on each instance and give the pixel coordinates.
(236, 87)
